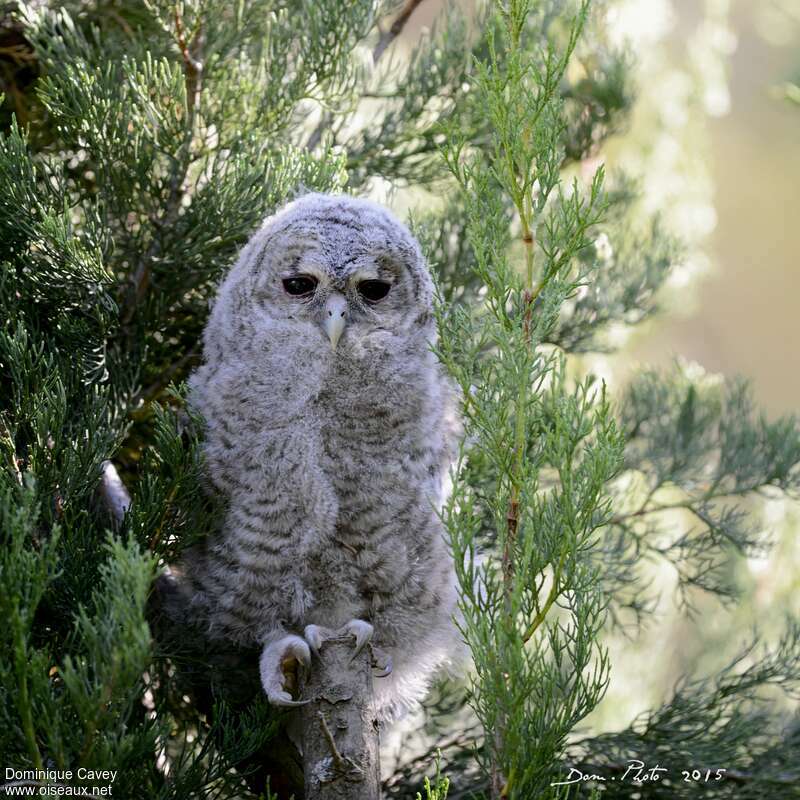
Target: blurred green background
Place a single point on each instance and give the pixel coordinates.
(717, 147)
(744, 317)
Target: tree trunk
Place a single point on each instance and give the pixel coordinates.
(339, 729)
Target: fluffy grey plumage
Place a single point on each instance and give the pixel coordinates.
(330, 425)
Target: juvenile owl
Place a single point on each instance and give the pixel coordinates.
(330, 427)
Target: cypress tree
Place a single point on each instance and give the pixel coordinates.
(142, 142)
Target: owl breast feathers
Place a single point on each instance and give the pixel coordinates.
(330, 427)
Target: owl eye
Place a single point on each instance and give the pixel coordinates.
(372, 291)
(300, 285)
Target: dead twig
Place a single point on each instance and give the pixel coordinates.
(396, 28)
(385, 39)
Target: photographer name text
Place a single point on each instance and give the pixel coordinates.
(58, 782)
(638, 772)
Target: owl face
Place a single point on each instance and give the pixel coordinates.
(339, 268)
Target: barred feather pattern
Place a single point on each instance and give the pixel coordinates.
(332, 462)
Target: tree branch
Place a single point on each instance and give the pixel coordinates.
(193, 73)
(339, 728)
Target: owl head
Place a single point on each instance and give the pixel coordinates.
(335, 270)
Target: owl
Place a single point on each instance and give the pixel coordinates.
(330, 428)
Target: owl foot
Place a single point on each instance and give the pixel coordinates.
(361, 631)
(315, 635)
(279, 663)
(381, 662)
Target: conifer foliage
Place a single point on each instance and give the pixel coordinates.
(141, 144)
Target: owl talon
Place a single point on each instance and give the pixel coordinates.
(284, 700)
(381, 662)
(360, 630)
(278, 666)
(315, 635)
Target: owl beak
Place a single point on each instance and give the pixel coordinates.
(334, 317)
